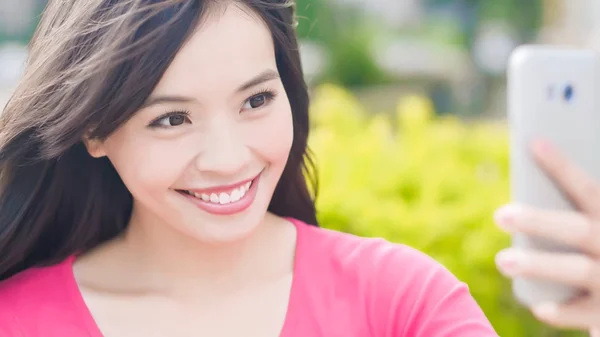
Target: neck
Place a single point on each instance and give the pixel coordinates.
(171, 261)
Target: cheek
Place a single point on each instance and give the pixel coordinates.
(272, 138)
(145, 165)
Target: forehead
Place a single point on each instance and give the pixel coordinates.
(230, 45)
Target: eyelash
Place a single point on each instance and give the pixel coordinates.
(156, 122)
(270, 95)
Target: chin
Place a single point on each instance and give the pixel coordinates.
(228, 229)
(222, 225)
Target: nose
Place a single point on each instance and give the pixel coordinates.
(225, 153)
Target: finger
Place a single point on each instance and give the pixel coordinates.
(579, 186)
(569, 228)
(576, 270)
(580, 314)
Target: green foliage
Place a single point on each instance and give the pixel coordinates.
(525, 16)
(347, 36)
(313, 19)
(351, 62)
(428, 182)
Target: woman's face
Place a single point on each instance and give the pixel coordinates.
(205, 153)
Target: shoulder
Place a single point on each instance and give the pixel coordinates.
(374, 258)
(34, 282)
(31, 294)
(405, 291)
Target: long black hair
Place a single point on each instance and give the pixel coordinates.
(92, 64)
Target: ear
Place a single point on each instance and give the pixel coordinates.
(95, 147)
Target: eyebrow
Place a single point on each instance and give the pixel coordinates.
(265, 76)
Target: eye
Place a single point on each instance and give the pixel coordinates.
(171, 119)
(259, 100)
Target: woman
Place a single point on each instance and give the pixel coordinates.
(577, 229)
(153, 184)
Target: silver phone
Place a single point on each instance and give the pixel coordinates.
(553, 92)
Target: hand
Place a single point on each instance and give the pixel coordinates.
(579, 229)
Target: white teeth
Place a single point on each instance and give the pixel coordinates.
(223, 198)
(236, 195)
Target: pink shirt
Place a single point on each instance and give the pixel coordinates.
(343, 286)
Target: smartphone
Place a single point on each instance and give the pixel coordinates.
(553, 92)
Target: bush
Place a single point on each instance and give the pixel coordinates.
(347, 35)
(428, 182)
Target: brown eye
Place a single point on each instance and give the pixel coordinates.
(176, 120)
(257, 101)
(171, 119)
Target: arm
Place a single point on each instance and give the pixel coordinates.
(415, 296)
(449, 310)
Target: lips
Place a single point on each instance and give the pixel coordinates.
(224, 200)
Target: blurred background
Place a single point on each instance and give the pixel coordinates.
(408, 109)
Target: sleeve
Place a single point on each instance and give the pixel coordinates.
(415, 296)
(450, 311)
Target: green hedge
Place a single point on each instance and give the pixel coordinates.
(428, 182)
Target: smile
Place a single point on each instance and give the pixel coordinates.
(224, 200)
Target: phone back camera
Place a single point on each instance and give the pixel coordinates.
(568, 93)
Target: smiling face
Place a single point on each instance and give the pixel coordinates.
(203, 156)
